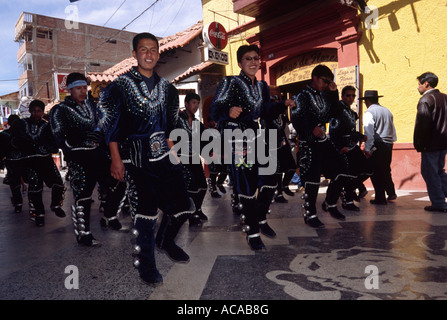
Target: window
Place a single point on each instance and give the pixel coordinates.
(26, 36)
(44, 34)
(26, 63)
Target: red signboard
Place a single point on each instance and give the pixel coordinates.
(61, 86)
(215, 35)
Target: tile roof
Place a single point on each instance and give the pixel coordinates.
(182, 38)
(193, 70)
(177, 40)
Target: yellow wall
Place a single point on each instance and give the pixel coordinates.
(410, 39)
(229, 20)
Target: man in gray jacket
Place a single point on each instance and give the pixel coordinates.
(379, 129)
(430, 139)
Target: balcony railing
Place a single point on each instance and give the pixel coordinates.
(25, 19)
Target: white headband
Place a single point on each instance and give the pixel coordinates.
(77, 83)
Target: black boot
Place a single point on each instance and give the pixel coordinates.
(143, 250)
(236, 205)
(255, 242)
(18, 208)
(310, 211)
(332, 194)
(32, 211)
(195, 218)
(35, 197)
(112, 223)
(201, 215)
(250, 223)
(347, 201)
(112, 200)
(57, 198)
(169, 227)
(40, 220)
(263, 201)
(220, 181)
(16, 199)
(286, 181)
(212, 186)
(81, 222)
(333, 211)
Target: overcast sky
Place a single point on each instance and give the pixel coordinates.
(165, 17)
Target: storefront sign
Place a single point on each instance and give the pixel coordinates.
(348, 77)
(216, 56)
(215, 36)
(300, 68)
(60, 80)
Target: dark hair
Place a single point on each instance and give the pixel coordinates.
(244, 49)
(75, 76)
(36, 103)
(12, 118)
(322, 71)
(347, 88)
(143, 35)
(429, 77)
(190, 96)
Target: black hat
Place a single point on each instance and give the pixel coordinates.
(370, 94)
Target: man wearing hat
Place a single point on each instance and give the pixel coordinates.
(379, 129)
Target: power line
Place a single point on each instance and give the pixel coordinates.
(114, 13)
(139, 15)
(175, 16)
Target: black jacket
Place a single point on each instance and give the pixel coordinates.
(430, 131)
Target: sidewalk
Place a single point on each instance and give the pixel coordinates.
(397, 251)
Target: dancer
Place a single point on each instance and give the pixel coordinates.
(315, 105)
(75, 126)
(35, 142)
(141, 108)
(238, 104)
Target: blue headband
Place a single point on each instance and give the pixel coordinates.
(77, 83)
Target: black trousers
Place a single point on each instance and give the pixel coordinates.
(195, 182)
(321, 158)
(359, 168)
(44, 170)
(16, 171)
(160, 185)
(286, 167)
(86, 168)
(381, 164)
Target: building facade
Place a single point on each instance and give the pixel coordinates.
(374, 45)
(50, 49)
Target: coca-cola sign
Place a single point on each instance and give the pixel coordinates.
(215, 36)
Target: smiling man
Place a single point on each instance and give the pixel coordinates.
(140, 109)
(240, 102)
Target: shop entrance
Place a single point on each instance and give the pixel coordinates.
(292, 89)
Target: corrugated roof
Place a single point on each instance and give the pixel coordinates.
(177, 40)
